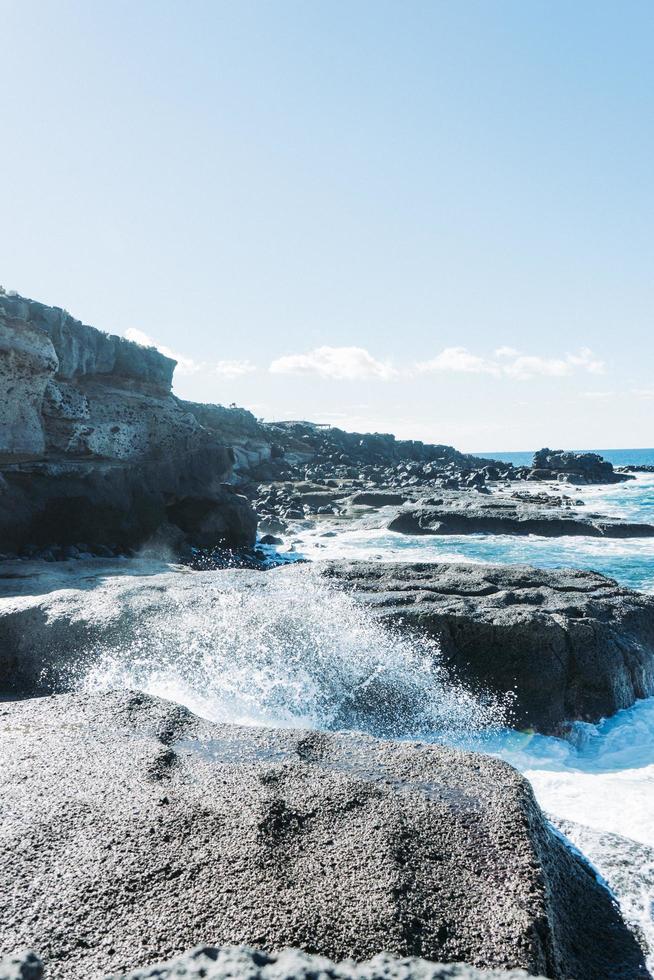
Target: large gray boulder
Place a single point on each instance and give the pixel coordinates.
(463, 512)
(133, 830)
(94, 447)
(572, 645)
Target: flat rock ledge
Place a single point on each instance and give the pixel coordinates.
(133, 831)
(472, 513)
(572, 645)
(245, 963)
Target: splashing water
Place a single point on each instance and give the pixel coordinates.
(281, 648)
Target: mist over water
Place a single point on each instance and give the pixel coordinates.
(287, 649)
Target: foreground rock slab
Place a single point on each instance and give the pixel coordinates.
(469, 513)
(133, 830)
(572, 645)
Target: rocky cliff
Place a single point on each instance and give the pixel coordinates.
(94, 447)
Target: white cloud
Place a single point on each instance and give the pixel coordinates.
(459, 359)
(188, 366)
(585, 359)
(508, 362)
(337, 363)
(185, 365)
(234, 369)
(646, 393)
(526, 366)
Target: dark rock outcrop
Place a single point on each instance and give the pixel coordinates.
(571, 467)
(93, 445)
(376, 499)
(639, 468)
(133, 830)
(227, 963)
(572, 645)
(469, 513)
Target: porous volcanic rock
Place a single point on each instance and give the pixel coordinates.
(572, 645)
(228, 962)
(133, 830)
(94, 447)
(455, 512)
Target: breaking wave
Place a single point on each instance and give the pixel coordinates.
(283, 649)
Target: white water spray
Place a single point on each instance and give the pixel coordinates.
(286, 649)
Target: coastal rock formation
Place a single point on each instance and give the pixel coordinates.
(573, 645)
(570, 467)
(570, 645)
(94, 447)
(153, 831)
(367, 460)
(227, 963)
(469, 513)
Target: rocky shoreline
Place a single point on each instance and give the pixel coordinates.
(134, 831)
(98, 457)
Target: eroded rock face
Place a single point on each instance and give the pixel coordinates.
(573, 645)
(93, 445)
(454, 512)
(153, 831)
(27, 363)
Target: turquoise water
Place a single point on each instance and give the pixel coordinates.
(619, 457)
(630, 561)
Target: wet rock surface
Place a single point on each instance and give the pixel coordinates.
(573, 645)
(134, 830)
(628, 868)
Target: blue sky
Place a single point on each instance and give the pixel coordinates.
(429, 218)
